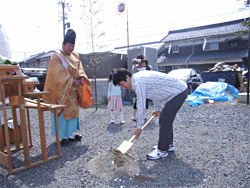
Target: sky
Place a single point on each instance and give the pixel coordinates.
(34, 26)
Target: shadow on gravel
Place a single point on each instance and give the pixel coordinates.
(43, 175)
(175, 171)
(114, 128)
(117, 127)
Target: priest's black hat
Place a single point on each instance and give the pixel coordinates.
(70, 37)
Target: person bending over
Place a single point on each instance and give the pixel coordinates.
(168, 94)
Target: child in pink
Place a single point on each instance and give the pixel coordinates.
(114, 100)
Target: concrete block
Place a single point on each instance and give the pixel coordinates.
(242, 98)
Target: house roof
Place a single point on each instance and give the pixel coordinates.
(212, 55)
(123, 49)
(218, 29)
(32, 58)
(48, 54)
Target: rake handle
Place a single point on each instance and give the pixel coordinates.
(145, 125)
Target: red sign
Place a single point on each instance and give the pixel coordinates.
(121, 7)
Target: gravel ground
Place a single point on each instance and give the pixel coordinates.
(211, 141)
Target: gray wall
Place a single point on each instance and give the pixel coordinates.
(102, 83)
(105, 63)
(149, 53)
(102, 89)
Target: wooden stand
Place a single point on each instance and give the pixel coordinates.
(14, 86)
(11, 135)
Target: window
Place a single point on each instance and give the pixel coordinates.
(211, 46)
(175, 49)
(161, 69)
(234, 43)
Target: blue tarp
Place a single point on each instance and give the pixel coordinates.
(214, 90)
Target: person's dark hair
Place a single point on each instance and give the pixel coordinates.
(139, 56)
(146, 61)
(147, 66)
(110, 76)
(120, 75)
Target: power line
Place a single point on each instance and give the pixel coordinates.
(188, 20)
(162, 33)
(32, 52)
(145, 27)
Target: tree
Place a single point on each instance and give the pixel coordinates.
(92, 27)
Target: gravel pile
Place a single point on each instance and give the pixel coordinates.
(211, 141)
(113, 164)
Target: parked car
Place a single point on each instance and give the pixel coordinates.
(40, 73)
(188, 75)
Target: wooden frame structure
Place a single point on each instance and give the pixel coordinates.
(16, 89)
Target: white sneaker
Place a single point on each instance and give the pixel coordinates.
(112, 121)
(157, 154)
(171, 147)
(122, 122)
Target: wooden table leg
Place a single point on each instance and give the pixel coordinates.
(57, 132)
(23, 127)
(42, 130)
(7, 162)
(1, 138)
(28, 119)
(16, 133)
(2, 130)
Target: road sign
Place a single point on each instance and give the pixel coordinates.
(121, 7)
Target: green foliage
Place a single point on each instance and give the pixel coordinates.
(7, 62)
(105, 100)
(247, 3)
(247, 31)
(94, 62)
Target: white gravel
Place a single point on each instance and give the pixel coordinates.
(211, 141)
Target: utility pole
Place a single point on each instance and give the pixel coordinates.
(63, 6)
(121, 8)
(64, 16)
(248, 66)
